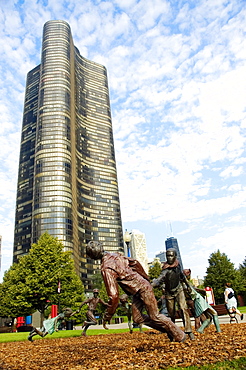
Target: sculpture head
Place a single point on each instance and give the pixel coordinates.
(94, 250)
(171, 255)
(187, 273)
(67, 311)
(123, 298)
(95, 292)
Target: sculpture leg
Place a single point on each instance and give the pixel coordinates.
(170, 303)
(91, 321)
(212, 314)
(31, 334)
(197, 322)
(129, 319)
(216, 323)
(35, 331)
(203, 326)
(185, 313)
(130, 326)
(85, 327)
(154, 319)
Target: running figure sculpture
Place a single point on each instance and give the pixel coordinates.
(130, 275)
(51, 325)
(172, 278)
(92, 305)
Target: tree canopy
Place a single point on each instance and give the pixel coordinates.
(154, 272)
(220, 271)
(242, 268)
(35, 281)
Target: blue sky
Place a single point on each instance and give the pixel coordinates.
(177, 78)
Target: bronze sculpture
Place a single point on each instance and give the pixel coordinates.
(92, 305)
(190, 302)
(200, 308)
(130, 275)
(171, 279)
(51, 325)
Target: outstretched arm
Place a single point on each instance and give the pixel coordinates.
(74, 313)
(104, 303)
(82, 304)
(160, 280)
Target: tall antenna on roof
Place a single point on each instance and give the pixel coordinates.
(169, 229)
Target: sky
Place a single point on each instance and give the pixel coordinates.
(177, 80)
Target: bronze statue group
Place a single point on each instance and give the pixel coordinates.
(143, 309)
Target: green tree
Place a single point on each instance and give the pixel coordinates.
(242, 273)
(32, 283)
(154, 272)
(220, 271)
(12, 302)
(242, 269)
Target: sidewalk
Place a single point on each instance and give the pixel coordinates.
(222, 320)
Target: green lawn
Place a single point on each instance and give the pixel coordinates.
(17, 337)
(242, 309)
(239, 364)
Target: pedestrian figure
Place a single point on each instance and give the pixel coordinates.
(124, 302)
(131, 277)
(171, 279)
(231, 301)
(51, 325)
(90, 314)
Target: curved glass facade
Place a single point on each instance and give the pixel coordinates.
(67, 181)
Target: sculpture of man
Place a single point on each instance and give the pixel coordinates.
(172, 278)
(92, 305)
(130, 275)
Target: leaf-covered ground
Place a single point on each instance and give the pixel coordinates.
(148, 350)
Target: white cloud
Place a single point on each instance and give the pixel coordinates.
(232, 171)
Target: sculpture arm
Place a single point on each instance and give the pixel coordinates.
(82, 304)
(185, 281)
(160, 280)
(73, 313)
(109, 278)
(104, 303)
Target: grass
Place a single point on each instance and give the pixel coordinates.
(238, 364)
(18, 337)
(242, 309)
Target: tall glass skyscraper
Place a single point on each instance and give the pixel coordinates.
(67, 182)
